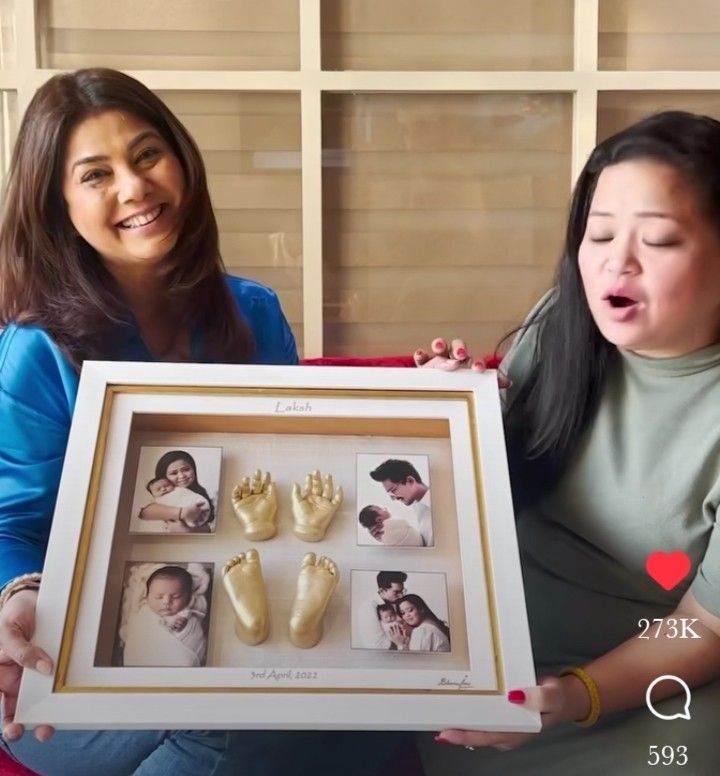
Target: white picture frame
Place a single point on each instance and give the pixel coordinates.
(290, 421)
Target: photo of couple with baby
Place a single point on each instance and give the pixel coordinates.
(168, 495)
(397, 619)
(395, 492)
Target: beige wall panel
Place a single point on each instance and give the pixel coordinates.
(255, 191)
(472, 294)
(195, 35)
(447, 122)
(438, 162)
(8, 44)
(381, 192)
(234, 103)
(663, 16)
(227, 133)
(240, 15)
(440, 211)
(617, 110)
(369, 339)
(452, 35)
(75, 61)
(259, 221)
(169, 50)
(659, 35)
(431, 52)
(266, 250)
(518, 244)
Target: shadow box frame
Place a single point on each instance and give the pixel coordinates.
(329, 410)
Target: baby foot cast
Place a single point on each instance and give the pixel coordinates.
(243, 581)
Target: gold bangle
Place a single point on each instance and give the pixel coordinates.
(592, 689)
(23, 582)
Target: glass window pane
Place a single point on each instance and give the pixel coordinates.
(443, 215)
(251, 146)
(659, 35)
(448, 35)
(617, 110)
(177, 35)
(7, 34)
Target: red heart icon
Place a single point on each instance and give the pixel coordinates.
(668, 569)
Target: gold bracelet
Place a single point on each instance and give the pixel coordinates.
(23, 582)
(592, 688)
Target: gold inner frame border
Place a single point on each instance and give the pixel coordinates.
(61, 685)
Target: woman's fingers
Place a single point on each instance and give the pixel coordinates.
(43, 732)
(421, 357)
(19, 650)
(443, 355)
(475, 738)
(439, 347)
(458, 350)
(17, 625)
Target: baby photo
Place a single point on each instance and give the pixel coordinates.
(176, 490)
(400, 611)
(164, 614)
(393, 499)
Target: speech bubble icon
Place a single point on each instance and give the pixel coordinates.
(685, 714)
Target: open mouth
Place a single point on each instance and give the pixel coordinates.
(620, 301)
(135, 222)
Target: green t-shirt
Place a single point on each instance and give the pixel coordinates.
(645, 476)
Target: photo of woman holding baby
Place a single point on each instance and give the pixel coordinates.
(180, 504)
(419, 630)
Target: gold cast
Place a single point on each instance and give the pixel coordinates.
(255, 503)
(314, 506)
(316, 582)
(243, 580)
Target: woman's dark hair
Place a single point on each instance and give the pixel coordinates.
(555, 404)
(423, 608)
(51, 277)
(176, 455)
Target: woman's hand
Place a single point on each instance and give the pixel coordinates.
(446, 357)
(17, 627)
(450, 357)
(558, 699)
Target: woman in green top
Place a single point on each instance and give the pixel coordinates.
(613, 428)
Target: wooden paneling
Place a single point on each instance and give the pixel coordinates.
(181, 35)
(617, 110)
(443, 214)
(7, 34)
(659, 35)
(452, 35)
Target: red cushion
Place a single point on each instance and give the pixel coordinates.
(349, 361)
(492, 361)
(8, 766)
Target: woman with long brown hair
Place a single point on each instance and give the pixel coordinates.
(109, 250)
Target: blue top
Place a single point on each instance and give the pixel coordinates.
(38, 386)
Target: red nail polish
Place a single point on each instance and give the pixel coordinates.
(462, 353)
(516, 696)
(442, 740)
